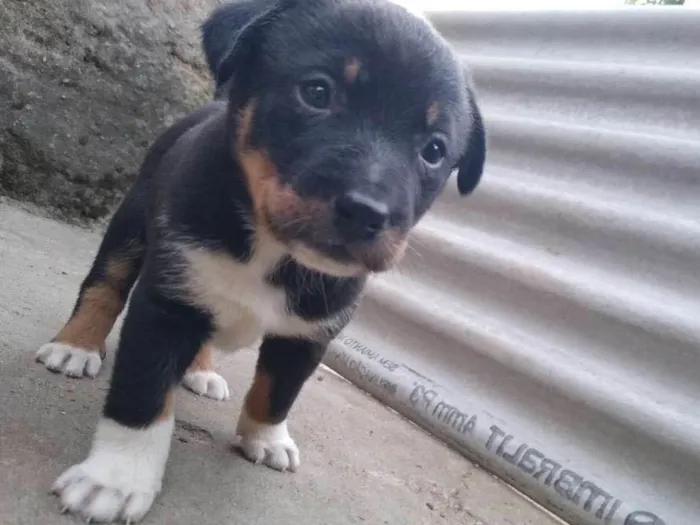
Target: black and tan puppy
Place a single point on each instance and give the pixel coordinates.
(260, 216)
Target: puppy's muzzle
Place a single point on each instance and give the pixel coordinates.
(359, 217)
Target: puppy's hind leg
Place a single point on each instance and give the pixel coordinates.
(79, 347)
(201, 378)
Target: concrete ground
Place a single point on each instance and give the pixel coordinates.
(361, 463)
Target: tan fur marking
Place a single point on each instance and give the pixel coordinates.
(384, 253)
(168, 405)
(397, 243)
(203, 360)
(432, 113)
(270, 198)
(316, 261)
(352, 70)
(99, 308)
(285, 203)
(260, 172)
(118, 270)
(257, 400)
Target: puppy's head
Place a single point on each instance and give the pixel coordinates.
(348, 117)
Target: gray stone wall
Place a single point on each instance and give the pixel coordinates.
(85, 86)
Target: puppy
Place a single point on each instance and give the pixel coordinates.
(259, 217)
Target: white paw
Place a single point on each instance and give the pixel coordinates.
(206, 383)
(81, 492)
(121, 477)
(268, 444)
(69, 360)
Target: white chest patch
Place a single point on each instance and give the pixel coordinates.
(244, 306)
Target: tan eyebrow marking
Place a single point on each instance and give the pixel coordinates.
(432, 113)
(352, 69)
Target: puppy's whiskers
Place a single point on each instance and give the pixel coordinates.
(413, 250)
(296, 223)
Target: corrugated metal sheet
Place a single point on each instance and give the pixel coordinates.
(549, 326)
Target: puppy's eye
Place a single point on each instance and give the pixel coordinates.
(316, 93)
(433, 153)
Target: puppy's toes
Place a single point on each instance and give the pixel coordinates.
(206, 383)
(69, 360)
(269, 444)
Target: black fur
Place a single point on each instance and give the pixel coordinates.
(231, 33)
(471, 165)
(288, 362)
(159, 339)
(328, 295)
(191, 176)
(366, 149)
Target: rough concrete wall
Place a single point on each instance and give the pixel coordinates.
(85, 86)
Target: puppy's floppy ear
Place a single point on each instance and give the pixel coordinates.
(235, 65)
(221, 28)
(471, 164)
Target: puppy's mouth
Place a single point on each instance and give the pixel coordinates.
(317, 246)
(351, 259)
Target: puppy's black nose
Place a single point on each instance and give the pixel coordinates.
(360, 217)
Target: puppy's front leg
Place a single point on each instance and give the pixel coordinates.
(283, 367)
(123, 472)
